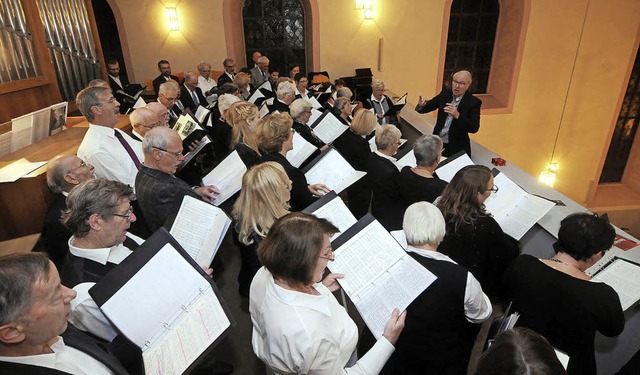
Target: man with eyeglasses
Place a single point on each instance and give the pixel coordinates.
(207, 84)
(99, 215)
(63, 173)
(142, 120)
(165, 75)
(159, 192)
(458, 114)
(168, 96)
(113, 153)
(229, 72)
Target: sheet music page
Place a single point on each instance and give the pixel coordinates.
(624, 278)
(270, 101)
(201, 113)
(198, 228)
(329, 128)
(508, 196)
(315, 104)
(315, 115)
(140, 309)
(334, 171)
(400, 237)
(264, 109)
(139, 103)
(402, 100)
(266, 85)
(5, 143)
(183, 343)
(18, 169)
(338, 214)
(524, 215)
(396, 288)
(185, 126)
(227, 177)
(364, 258)
(301, 150)
(447, 171)
(41, 122)
(21, 132)
(256, 95)
(408, 160)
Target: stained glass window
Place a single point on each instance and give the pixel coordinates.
(472, 33)
(276, 29)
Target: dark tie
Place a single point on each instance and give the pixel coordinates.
(195, 98)
(127, 147)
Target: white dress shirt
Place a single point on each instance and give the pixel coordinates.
(85, 313)
(116, 80)
(206, 85)
(64, 358)
(390, 158)
(300, 333)
(477, 306)
(103, 150)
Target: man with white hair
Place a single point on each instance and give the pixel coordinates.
(142, 120)
(169, 95)
(206, 83)
(458, 113)
(285, 95)
(260, 73)
(446, 317)
(380, 104)
(190, 94)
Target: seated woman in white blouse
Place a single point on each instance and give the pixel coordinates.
(298, 325)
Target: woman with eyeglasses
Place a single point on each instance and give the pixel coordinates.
(474, 239)
(275, 139)
(245, 120)
(298, 325)
(263, 199)
(559, 301)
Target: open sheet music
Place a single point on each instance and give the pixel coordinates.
(257, 94)
(332, 207)
(397, 106)
(226, 176)
(448, 168)
(408, 160)
(200, 229)
(264, 109)
(513, 208)
(201, 114)
(315, 116)
(378, 274)
(301, 151)
(331, 169)
(185, 125)
(328, 127)
(314, 102)
(165, 304)
(191, 154)
(624, 277)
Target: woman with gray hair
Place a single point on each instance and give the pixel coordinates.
(342, 110)
(420, 183)
(445, 318)
(300, 111)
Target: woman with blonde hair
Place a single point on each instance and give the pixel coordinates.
(353, 146)
(263, 199)
(243, 80)
(244, 118)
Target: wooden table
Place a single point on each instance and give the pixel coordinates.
(25, 201)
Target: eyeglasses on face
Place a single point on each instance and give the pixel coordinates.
(494, 189)
(328, 254)
(174, 153)
(82, 164)
(127, 215)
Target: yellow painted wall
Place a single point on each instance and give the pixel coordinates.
(412, 38)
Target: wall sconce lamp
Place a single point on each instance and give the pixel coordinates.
(367, 8)
(172, 19)
(548, 176)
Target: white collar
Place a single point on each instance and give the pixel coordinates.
(373, 99)
(391, 158)
(101, 255)
(429, 254)
(317, 303)
(47, 360)
(102, 129)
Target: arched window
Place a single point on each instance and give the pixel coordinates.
(470, 41)
(276, 28)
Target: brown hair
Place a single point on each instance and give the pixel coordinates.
(292, 248)
(274, 131)
(459, 202)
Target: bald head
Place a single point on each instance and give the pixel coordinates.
(161, 111)
(168, 93)
(143, 120)
(191, 80)
(66, 171)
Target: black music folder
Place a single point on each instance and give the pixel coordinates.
(164, 303)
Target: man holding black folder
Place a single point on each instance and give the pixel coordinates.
(458, 114)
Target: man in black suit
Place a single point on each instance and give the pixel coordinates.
(117, 82)
(35, 337)
(165, 74)
(285, 95)
(64, 172)
(190, 94)
(169, 95)
(161, 193)
(458, 114)
(229, 72)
